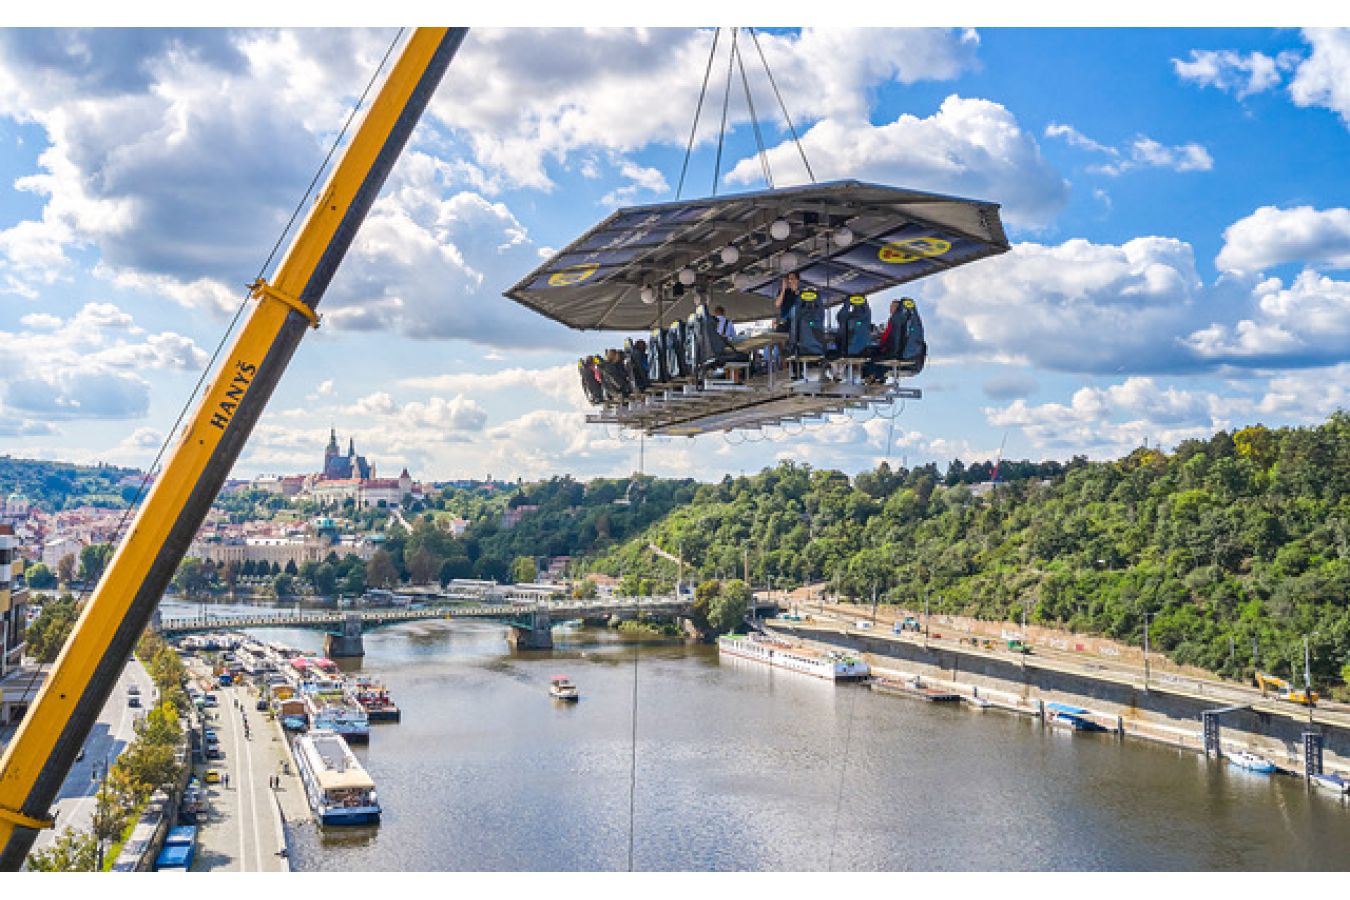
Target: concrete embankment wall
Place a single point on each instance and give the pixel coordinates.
(1160, 713)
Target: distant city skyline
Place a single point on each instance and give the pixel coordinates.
(1175, 198)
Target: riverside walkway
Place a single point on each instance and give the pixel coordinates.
(244, 831)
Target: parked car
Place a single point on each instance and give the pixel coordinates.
(212, 776)
(262, 705)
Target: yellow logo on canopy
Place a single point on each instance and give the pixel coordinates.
(911, 249)
(808, 295)
(572, 275)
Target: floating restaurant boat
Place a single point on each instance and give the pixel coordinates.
(373, 697)
(833, 666)
(329, 713)
(978, 702)
(1244, 759)
(1074, 717)
(560, 687)
(339, 789)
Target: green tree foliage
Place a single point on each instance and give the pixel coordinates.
(48, 632)
(56, 485)
(524, 570)
(380, 571)
(73, 851)
(194, 576)
(727, 610)
(1222, 542)
(65, 569)
(93, 560)
(39, 577)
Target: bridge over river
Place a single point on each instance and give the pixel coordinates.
(530, 623)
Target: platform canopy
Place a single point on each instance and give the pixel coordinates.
(649, 265)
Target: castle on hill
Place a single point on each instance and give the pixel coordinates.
(344, 476)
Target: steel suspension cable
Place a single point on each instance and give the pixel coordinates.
(726, 102)
(693, 128)
(754, 121)
(781, 105)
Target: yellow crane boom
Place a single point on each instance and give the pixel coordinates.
(86, 671)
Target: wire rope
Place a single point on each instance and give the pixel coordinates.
(726, 102)
(781, 105)
(754, 119)
(843, 770)
(689, 147)
(229, 330)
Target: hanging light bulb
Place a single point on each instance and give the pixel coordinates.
(843, 236)
(648, 295)
(779, 230)
(686, 276)
(788, 261)
(730, 255)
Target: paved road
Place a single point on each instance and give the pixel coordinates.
(244, 831)
(113, 731)
(1086, 664)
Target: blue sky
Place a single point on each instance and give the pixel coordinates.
(1176, 200)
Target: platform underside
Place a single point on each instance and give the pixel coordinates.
(688, 410)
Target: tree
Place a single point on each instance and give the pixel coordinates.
(65, 568)
(49, 631)
(354, 582)
(230, 574)
(380, 571)
(108, 820)
(291, 568)
(193, 576)
(39, 576)
(93, 560)
(325, 579)
(74, 851)
(584, 589)
(524, 570)
(283, 584)
(423, 565)
(150, 765)
(729, 607)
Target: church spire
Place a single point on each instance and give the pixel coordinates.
(332, 441)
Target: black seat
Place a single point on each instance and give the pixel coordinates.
(614, 380)
(717, 349)
(657, 373)
(694, 351)
(677, 366)
(907, 333)
(590, 379)
(636, 366)
(855, 327)
(807, 338)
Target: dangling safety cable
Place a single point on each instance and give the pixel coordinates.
(726, 102)
(754, 120)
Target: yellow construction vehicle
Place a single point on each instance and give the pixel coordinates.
(1285, 691)
(86, 671)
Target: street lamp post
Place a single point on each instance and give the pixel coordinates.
(1145, 652)
(925, 617)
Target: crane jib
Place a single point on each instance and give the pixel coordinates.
(86, 671)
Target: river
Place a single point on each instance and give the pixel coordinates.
(743, 767)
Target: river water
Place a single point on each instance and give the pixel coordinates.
(743, 767)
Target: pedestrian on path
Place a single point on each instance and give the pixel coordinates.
(225, 780)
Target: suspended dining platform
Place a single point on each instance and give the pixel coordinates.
(662, 268)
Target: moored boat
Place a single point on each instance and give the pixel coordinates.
(373, 697)
(1330, 781)
(560, 687)
(339, 789)
(834, 665)
(1074, 717)
(1245, 759)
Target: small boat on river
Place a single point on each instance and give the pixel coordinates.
(1330, 781)
(1245, 759)
(560, 687)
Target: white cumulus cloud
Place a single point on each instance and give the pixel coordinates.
(1272, 236)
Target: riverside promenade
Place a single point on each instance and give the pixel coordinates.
(245, 826)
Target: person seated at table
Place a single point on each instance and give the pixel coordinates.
(902, 340)
(786, 301)
(723, 323)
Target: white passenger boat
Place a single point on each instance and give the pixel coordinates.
(833, 665)
(562, 688)
(339, 789)
(1330, 781)
(328, 713)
